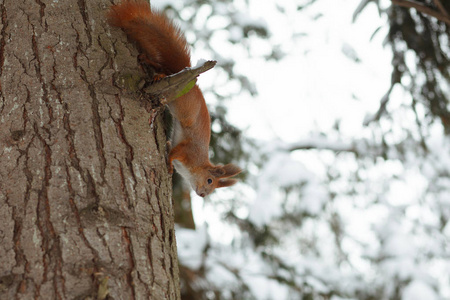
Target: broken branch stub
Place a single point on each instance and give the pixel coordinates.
(170, 86)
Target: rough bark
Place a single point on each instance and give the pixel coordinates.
(85, 197)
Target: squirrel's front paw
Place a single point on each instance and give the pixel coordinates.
(158, 77)
(170, 168)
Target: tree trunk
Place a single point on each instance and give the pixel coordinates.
(85, 197)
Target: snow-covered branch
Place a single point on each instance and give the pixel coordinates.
(322, 143)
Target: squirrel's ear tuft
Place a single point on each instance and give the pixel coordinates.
(226, 182)
(231, 170)
(228, 170)
(217, 171)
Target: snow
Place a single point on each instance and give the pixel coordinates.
(191, 244)
(165, 3)
(200, 63)
(281, 171)
(340, 298)
(419, 290)
(245, 20)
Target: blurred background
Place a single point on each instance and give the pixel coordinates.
(339, 113)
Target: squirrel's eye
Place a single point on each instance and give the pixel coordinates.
(209, 180)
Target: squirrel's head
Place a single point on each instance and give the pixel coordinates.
(208, 179)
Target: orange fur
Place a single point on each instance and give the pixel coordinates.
(163, 44)
(166, 50)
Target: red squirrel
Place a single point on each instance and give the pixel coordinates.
(163, 47)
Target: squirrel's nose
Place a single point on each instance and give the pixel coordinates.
(200, 193)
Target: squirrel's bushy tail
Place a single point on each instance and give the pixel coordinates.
(161, 41)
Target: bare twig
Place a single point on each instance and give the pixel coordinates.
(381, 110)
(168, 87)
(424, 9)
(441, 7)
